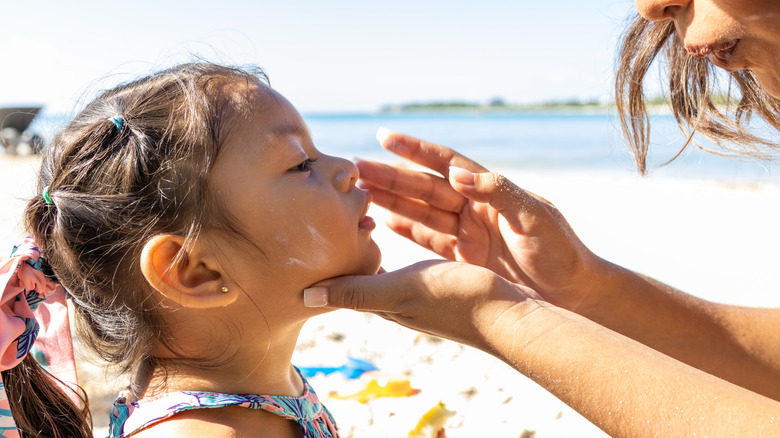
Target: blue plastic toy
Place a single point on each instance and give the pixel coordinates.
(353, 369)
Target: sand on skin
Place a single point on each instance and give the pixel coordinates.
(714, 240)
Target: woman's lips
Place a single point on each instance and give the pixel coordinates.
(723, 61)
(702, 50)
(720, 54)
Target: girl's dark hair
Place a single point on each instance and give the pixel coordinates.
(40, 408)
(693, 94)
(115, 184)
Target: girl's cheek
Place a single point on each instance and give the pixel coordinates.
(310, 250)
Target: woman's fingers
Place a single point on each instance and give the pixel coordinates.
(512, 202)
(420, 211)
(440, 243)
(434, 190)
(430, 155)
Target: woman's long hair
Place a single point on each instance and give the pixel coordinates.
(696, 103)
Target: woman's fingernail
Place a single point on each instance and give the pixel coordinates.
(315, 297)
(461, 176)
(382, 133)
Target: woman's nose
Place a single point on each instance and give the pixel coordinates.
(659, 10)
(347, 174)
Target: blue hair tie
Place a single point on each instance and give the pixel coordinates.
(118, 121)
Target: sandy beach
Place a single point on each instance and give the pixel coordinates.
(715, 240)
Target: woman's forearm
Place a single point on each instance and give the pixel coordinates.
(621, 385)
(624, 387)
(741, 345)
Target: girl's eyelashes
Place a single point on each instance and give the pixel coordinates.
(304, 166)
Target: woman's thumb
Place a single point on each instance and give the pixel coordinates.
(363, 293)
(383, 292)
(494, 189)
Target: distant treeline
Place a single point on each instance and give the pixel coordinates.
(492, 105)
(499, 104)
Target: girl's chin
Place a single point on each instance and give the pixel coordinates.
(370, 262)
(369, 269)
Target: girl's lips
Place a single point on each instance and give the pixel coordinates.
(367, 222)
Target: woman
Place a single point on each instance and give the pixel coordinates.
(632, 355)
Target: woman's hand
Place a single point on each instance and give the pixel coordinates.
(620, 385)
(472, 215)
(453, 300)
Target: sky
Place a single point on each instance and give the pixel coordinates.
(324, 56)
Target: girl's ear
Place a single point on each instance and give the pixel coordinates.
(193, 280)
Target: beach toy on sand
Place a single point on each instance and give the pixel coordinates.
(353, 369)
(381, 386)
(431, 424)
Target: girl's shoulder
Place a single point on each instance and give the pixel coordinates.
(188, 424)
(229, 421)
(197, 413)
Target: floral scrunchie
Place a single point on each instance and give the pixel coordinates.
(34, 320)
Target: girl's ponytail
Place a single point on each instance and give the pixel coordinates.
(33, 401)
(39, 406)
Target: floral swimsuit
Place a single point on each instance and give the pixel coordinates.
(306, 410)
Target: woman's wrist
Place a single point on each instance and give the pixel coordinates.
(506, 333)
(592, 288)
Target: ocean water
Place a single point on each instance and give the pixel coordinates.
(536, 141)
(545, 141)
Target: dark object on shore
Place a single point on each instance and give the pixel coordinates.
(14, 122)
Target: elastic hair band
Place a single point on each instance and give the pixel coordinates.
(118, 121)
(46, 196)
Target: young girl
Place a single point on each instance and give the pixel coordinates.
(185, 213)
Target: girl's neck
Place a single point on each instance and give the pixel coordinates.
(251, 368)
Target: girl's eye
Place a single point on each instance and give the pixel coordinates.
(305, 166)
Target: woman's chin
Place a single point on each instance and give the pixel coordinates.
(769, 81)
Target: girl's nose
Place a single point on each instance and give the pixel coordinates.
(659, 10)
(347, 174)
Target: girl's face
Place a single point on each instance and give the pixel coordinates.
(734, 34)
(302, 216)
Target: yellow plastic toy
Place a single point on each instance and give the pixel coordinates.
(381, 386)
(431, 424)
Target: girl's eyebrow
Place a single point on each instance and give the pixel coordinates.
(285, 129)
(289, 129)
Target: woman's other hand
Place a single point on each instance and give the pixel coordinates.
(479, 217)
